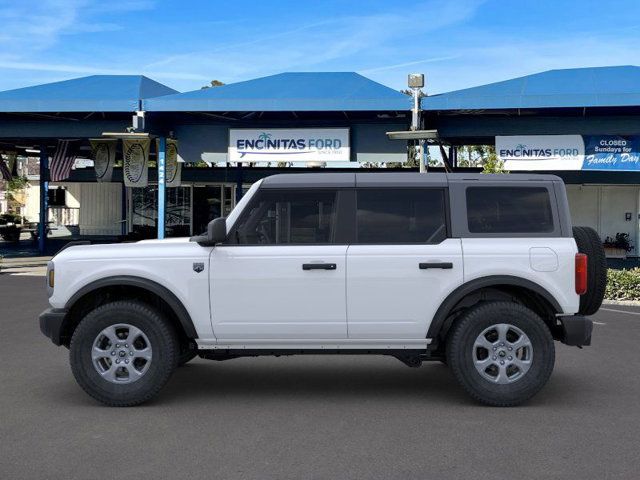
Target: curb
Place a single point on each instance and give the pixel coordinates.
(631, 303)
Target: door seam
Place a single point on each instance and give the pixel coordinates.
(346, 298)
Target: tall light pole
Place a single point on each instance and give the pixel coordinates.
(415, 82)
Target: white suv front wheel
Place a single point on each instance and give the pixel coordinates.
(122, 353)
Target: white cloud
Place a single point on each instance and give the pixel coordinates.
(45, 39)
(483, 62)
(363, 42)
(31, 26)
(96, 70)
(408, 64)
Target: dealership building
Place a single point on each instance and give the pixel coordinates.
(580, 124)
(192, 155)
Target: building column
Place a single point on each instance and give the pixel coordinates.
(44, 200)
(239, 182)
(162, 196)
(124, 230)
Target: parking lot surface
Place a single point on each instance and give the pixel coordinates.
(315, 417)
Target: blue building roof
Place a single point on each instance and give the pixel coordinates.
(96, 93)
(321, 91)
(575, 87)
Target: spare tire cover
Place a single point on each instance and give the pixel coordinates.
(589, 243)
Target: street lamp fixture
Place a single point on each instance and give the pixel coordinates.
(415, 82)
(413, 135)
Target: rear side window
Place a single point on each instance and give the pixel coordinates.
(509, 210)
(390, 215)
(289, 217)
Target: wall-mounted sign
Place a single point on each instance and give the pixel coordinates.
(104, 156)
(611, 152)
(541, 152)
(135, 155)
(569, 152)
(289, 145)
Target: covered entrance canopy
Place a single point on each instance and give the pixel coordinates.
(581, 124)
(341, 109)
(603, 100)
(204, 120)
(34, 119)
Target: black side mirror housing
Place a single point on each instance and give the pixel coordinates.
(216, 233)
(217, 230)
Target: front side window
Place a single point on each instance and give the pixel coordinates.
(509, 210)
(280, 217)
(409, 215)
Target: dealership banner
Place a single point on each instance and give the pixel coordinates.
(135, 155)
(541, 152)
(172, 167)
(611, 152)
(569, 152)
(289, 145)
(104, 156)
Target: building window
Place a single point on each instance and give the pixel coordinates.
(509, 210)
(57, 197)
(144, 206)
(289, 217)
(389, 215)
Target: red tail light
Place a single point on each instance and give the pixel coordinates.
(581, 273)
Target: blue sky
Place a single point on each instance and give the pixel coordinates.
(184, 44)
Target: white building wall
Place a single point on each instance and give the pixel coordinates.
(31, 210)
(100, 208)
(616, 202)
(605, 208)
(73, 195)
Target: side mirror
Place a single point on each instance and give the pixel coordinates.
(216, 233)
(217, 230)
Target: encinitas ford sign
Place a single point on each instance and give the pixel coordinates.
(289, 145)
(541, 152)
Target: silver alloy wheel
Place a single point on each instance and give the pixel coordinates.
(502, 353)
(121, 353)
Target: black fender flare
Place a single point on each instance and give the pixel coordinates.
(465, 289)
(126, 280)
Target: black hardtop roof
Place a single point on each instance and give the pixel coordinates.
(393, 179)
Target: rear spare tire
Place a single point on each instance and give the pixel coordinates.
(589, 243)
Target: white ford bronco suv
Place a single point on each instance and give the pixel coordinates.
(481, 272)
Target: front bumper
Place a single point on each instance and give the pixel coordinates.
(576, 330)
(51, 321)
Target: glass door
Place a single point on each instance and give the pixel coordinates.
(228, 199)
(143, 214)
(207, 205)
(211, 201)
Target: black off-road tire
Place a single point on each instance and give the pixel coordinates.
(163, 341)
(460, 349)
(589, 243)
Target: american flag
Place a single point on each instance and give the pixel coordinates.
(62, 160)
(4, 170)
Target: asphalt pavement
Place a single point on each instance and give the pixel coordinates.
(315, 417)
